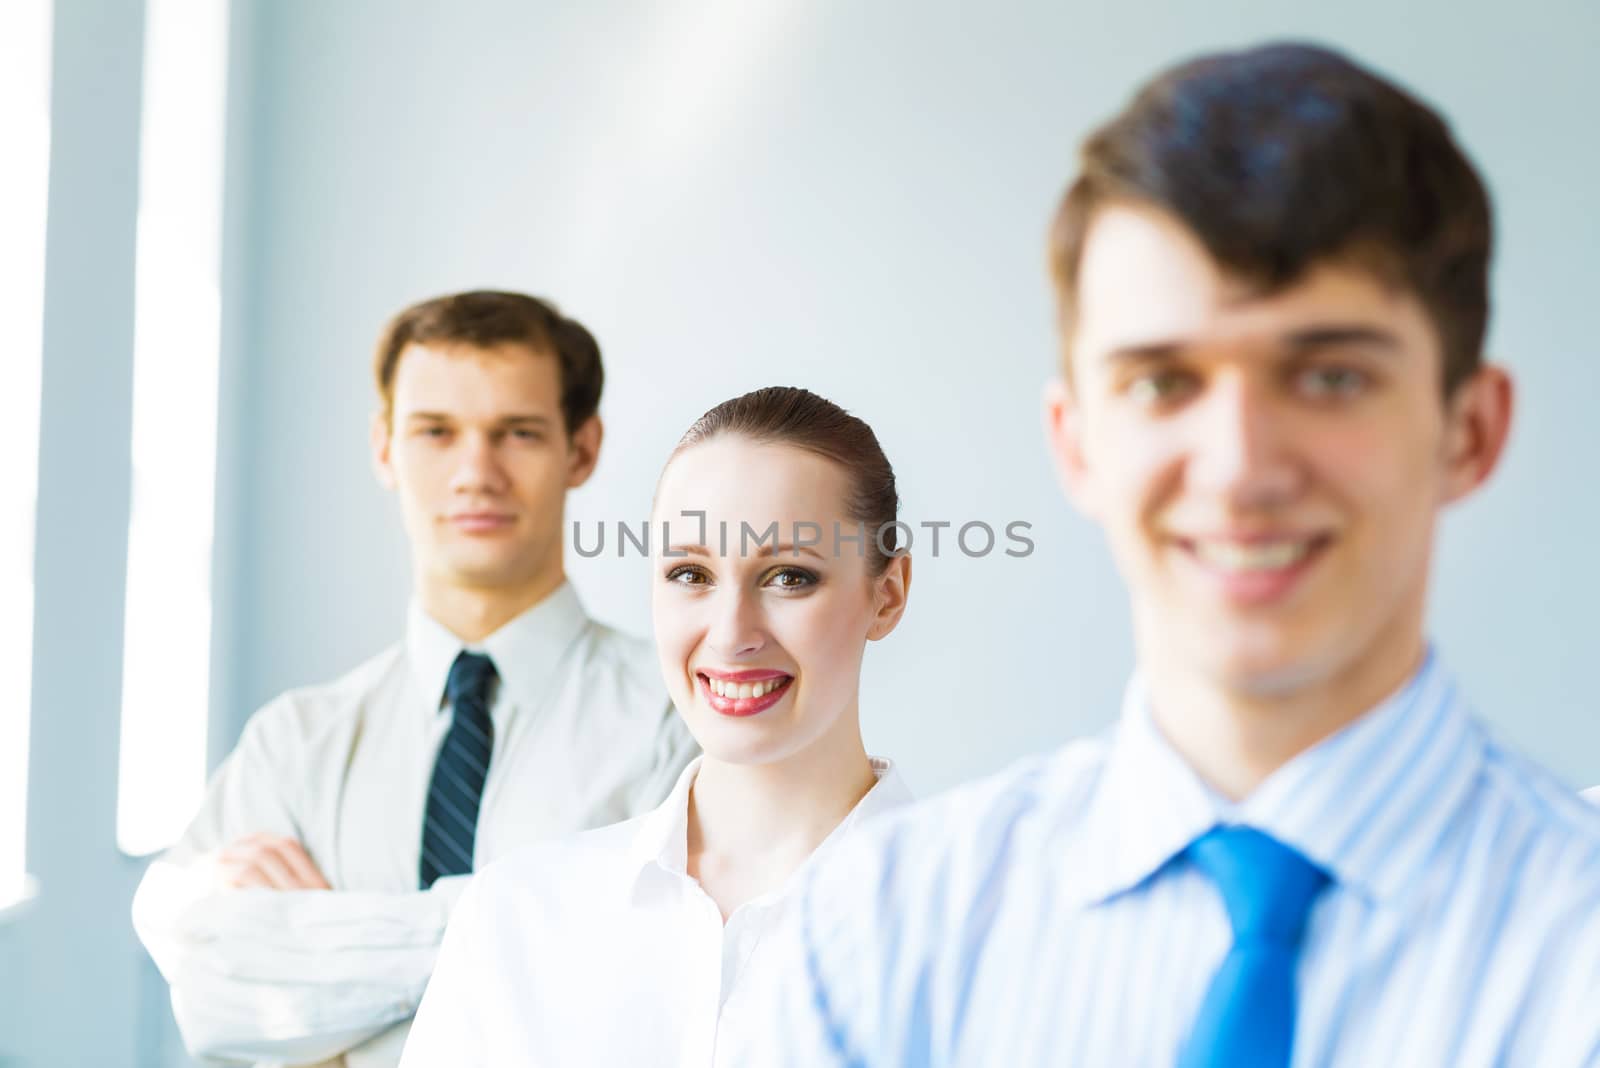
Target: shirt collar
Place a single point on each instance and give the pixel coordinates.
(525, 650)
(662, 840)
(1365, 804)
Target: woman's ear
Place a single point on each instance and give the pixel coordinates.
(890, 591)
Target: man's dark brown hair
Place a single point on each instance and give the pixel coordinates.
(488, 319)
(1285, 156)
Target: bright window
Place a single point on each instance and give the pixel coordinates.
(24, 182)
(177, 312)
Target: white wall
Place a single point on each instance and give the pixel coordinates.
(849, 195)
(75, 948)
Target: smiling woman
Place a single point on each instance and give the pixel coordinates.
(799, 615)
(761, 647)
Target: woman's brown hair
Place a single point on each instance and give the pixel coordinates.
(788, 415)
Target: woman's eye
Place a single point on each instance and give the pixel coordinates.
(1333, 381)
(791, 578)
(687, 576)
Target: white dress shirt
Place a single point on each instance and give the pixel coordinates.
(584, 736)
(1050, 916)
(600, 950)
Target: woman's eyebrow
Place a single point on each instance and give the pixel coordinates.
(790, 548)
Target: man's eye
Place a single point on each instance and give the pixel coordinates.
(434, 431)
(1162, 385)
(1333, 381)
(687, 576)
(791, 578)
(527, 435)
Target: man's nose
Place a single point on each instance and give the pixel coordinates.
(1242, 447)
(479, 469)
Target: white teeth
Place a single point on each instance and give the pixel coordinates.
(1267, 556)
(743, 690)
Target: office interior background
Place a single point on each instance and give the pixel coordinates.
(208, 208)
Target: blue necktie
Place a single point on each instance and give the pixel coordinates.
(1247, 1017)
(450, 824)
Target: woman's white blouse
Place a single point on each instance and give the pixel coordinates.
(598, 949)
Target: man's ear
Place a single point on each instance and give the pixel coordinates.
(1063, 429)
(584, 448)
(890, 591)
(380, 438)
(1477, 426)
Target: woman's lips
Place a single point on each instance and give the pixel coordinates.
(742, 706)
(747, 675)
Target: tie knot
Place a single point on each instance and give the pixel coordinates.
(470, 677)
(1267, 886)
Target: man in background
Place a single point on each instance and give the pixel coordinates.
(1297, 845)
(298, 918)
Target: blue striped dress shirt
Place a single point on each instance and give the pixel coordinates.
(1047, 917)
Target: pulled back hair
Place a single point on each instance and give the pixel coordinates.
(788, 415)
(1286, 156)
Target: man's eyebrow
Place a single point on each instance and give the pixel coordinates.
(1298, 341)
(1145, 352)
(1340, 335)
(515, 419)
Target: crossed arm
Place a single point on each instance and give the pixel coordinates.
(265, 961)
(267, 862)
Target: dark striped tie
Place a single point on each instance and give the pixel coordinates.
(451, 821)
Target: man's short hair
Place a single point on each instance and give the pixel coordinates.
(1286, 156)
(488, 319)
